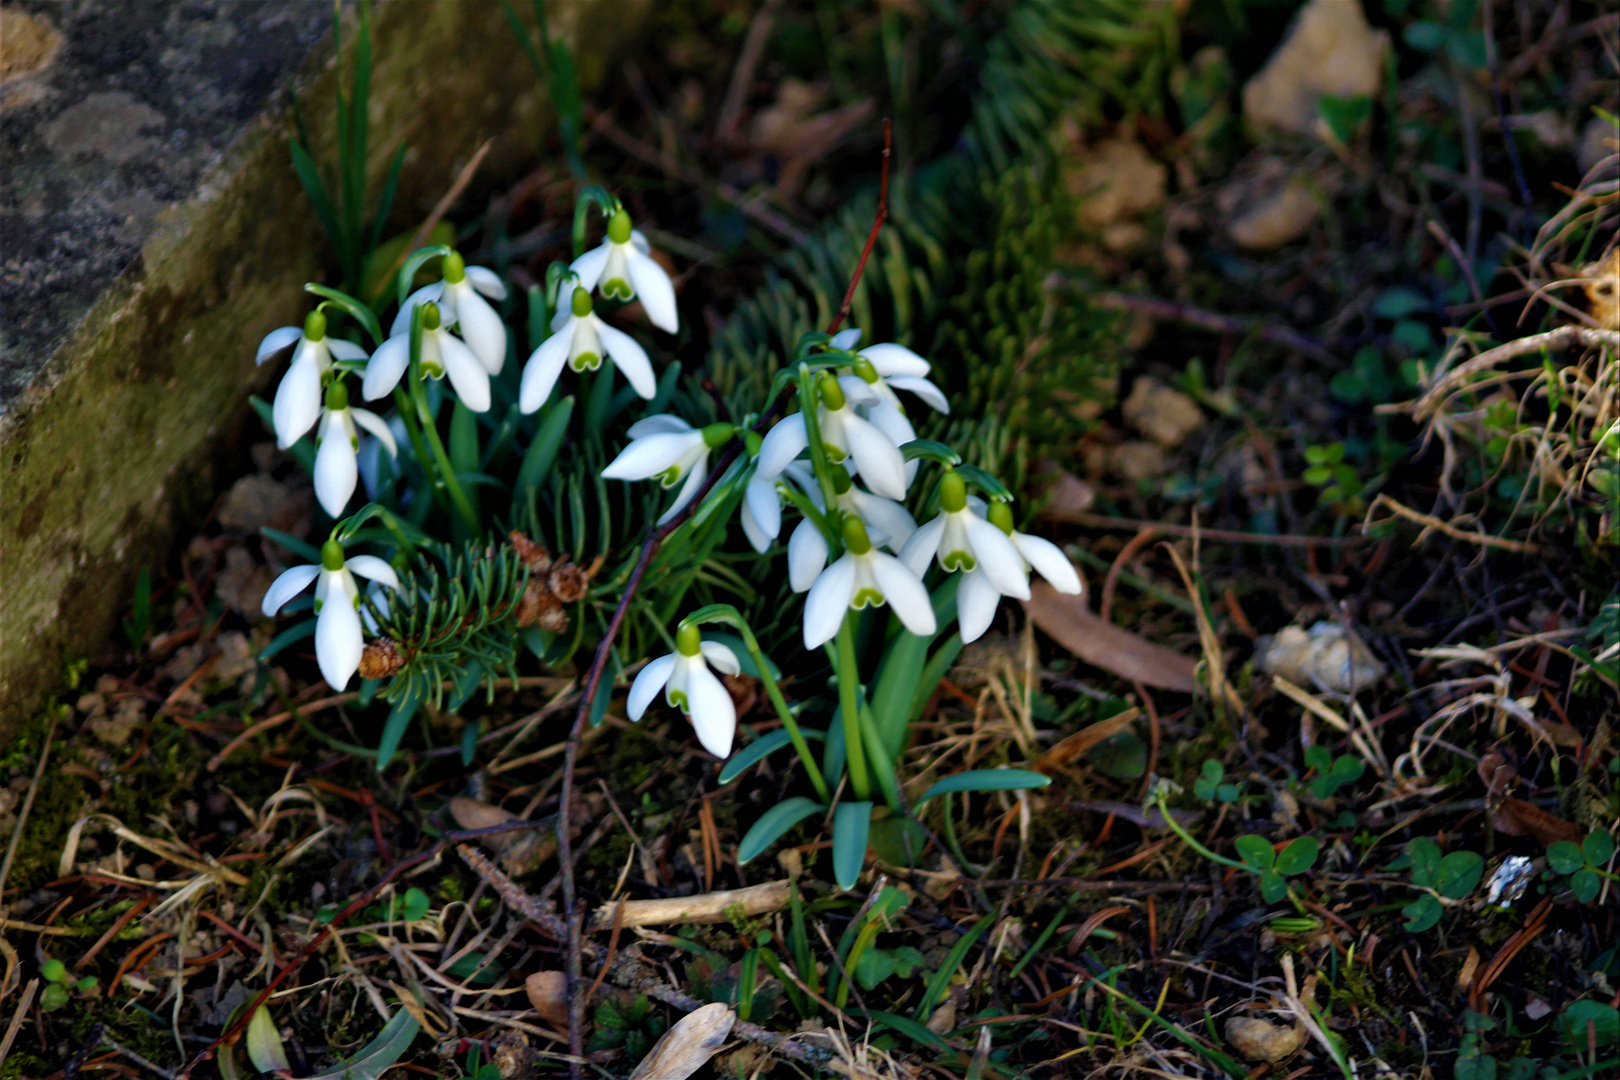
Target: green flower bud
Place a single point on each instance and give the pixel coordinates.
(717, 435)
(1000, 515)
(315, 325)
(582, 303)
(619, 228)
(688, 640)
(856, 542)
(952, 492)
(841, 483)
(455, 268)
(337, 395)
(331, 555)
(832, 395)
(430, 316)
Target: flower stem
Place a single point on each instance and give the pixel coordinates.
(447, 473)
(1187, 837)
(849, 690)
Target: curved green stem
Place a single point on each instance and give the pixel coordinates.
(849, 692)
(730, 616)
(1187, 838)
(594, 195)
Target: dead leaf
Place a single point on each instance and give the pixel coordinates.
(1496, 773)
(548, 994)
(1118, 181)
(1102, 644)
(793, 132)
(1465, 977)
(1068, 496)
(1165, 415)
(1072, 748)
(1261, 1040)
(256, 501)
(943, 1019)
(688, 1046)
(1519, 818)
(521, 850)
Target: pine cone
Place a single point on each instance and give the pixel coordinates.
(568, 583)
(534, 556)
(382, 657)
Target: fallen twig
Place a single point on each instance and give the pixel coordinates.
(1429, 522)
(1552, 340)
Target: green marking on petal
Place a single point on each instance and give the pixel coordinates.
(585, 360)
(432, 369)
(618, 289)
(958, 560)
(678, 699)
(834, 454)
(670, 476)
(866, 597)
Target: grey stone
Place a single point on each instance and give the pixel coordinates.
(152, 231)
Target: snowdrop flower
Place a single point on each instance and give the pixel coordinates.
(668, 448)
(690, 686)
(762, 503)
(962, 540)
(338, 635)
(461, 306)
(580, 337)
(979, 595)
(864, 576)
(845, 434)
(888, 524)
(891, 367)
(625, 270)
(336, 443)
(298, 398)
(442, 354)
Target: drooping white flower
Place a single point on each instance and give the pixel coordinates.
(442, 354)
(339, 638)
(461, 306)
(336, 442)
(690, 686)
(579, 339)
(669, 449)
(624, 268)
(298, 398)
(978, 596)
(864, 576)
(888, 524)
(962, 540)
(762, 502)
(845, 434)
(895, 367)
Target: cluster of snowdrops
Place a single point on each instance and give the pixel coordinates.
(845, 460)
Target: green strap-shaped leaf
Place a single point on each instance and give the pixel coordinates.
(852, 823)
(542, 452)
(985, 780)
(290, 636)
(399, 717)
(379, 1055)
(953, 960)
(758, 751)
(772, 824)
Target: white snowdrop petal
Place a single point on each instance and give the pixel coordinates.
(658, 424)
(857, 390)
(638, 240)
(298, 402)
(923, 545)
(650, 455)
(466, 372)
(997, 557)
(894, 520)
(764, 506)
(287, 585)
(877, 459)
(888, 419)
(433, 292)
(890, 359)
(829, 599)
(345, 350)
(370, 566)
(541, 371)
(336, 473)
(655, 291)
(751, 530)
(629, 357)
(931, 395)
(720, 657)
(846, 339)
(976, 603)
(483, 329)
(487, 282)
(338, 640)
(689, 490)
(1049, 561)
(713, 714)
(905, 592)
(377, 426)
(784, 442)
(276, 340)
(649, 681)
(807, 555)
(386, 367)
(588, 267)
(804, 476)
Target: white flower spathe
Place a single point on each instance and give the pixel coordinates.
(690, 686)
(298, 398)
(864, 576)
(460, 305)
(666, 448)
(579, 339)
(625, 269)
(442, 354)
(336, 444)
(339, 638)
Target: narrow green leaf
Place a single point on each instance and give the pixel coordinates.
(463, 440)
(315, 190)
(380, 1054)
(758, 751)
(772, 824)
(896, 687)
(941, 981)
(290, 636)
(985, 780)
(903, 1025)
(852, 822)
(399, 717)
(292, 544)
(542, 453)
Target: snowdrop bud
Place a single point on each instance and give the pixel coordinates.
(856, 542)
(717, 435)
(841, 483)
(331, 555)
(1000, 515)
(315, 325)
(582, 303)
(952, 492)
(864, 368)
(688, 640)
(430, 316)
(832, 395)
(455, 268)
(619, 228)
(337, 396)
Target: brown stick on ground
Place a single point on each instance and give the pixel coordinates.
(706, 908)
(1552, 340)
(1428, 522)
